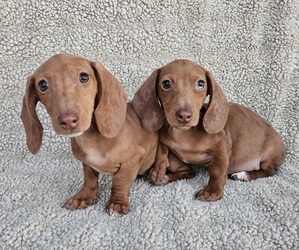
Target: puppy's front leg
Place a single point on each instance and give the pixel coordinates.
(218, 175)
(118, 202)
(157, 174)
(168, 168)
(88, 194)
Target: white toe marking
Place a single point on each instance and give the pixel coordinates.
(240, 176)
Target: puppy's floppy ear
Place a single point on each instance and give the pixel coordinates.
(216, 115)
(33, 127)
(146, 104)
(111, 109)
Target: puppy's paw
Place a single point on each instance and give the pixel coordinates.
(187, 174)
(78, 202)
(117, 208)
(157, 178)
(240, 176)
(209, 194)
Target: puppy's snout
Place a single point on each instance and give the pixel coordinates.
(184, 115)
(68, 121)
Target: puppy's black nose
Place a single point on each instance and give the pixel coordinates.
(184, 115)
(68, 121)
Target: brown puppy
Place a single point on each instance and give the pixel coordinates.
(89, 105)
(226, 137)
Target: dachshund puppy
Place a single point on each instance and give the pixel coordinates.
(226, 137)
(88, 104)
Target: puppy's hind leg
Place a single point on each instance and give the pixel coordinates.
(178, 169)
(270, 162)
(88, 194)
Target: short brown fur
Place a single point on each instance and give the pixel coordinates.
(106, 134)
(226, 137)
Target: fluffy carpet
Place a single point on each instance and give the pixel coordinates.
(252, 49)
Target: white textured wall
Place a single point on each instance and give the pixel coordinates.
(250, 46)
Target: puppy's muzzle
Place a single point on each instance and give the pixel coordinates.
(68, 121)
(184, 116)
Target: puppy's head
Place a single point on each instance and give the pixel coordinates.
(176, 92)
(72, 89)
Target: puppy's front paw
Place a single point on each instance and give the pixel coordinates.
(240, 176)
(158, 178)
(209, 194)
(117, 208)
(79, 201)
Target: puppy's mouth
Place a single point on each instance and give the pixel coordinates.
(72, 135)
(71, 126)
(183, 127)
(179, 125)
(183, 122)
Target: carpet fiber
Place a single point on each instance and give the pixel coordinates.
(252, 49)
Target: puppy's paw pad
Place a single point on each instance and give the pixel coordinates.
(160, 181)
(78, 203)
(158, 178)
(189, 175)
(240, 176)
(117, 209)
(207, 194)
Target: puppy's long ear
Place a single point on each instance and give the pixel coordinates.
(216, 115)
(33, 127)
(146, 104)
(110, 112)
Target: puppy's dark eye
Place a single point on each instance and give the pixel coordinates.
(43, 86)
(83, 78)
(200, 84)
(166, 84)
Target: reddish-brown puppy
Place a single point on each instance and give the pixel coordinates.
(89, 105)
(226, 137)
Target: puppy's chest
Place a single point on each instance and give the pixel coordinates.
(187, 146)
(96, 156)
